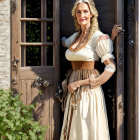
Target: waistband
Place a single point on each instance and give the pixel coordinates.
(82, 65)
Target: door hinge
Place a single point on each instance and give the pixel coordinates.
(14, 63)
(14, 83)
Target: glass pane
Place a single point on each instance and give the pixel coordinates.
(33, 31)
(23, 10)
(49, 8)
(33, 56)
(23, 53)
(49, 53)
(49, 32)
(23, 31)
(33, 8)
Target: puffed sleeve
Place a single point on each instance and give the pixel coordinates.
(104, 47)
(70, 39)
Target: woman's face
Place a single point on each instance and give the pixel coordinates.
(83, 14)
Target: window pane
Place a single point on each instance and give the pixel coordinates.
(33, 31)
(33, 8)
(49, 53)
(33, 56)
(23, 56)
(49, 32)
(49, 8)
(23, 10)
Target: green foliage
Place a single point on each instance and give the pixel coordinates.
(33, 8)
(16, 119)
(33, 56)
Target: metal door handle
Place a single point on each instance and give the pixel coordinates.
(41, 82)
(59, 94)
(131, 42)
(120, 105)
(13, 6)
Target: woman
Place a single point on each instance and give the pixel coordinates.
(85, 116)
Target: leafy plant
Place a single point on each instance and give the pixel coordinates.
(16, 119)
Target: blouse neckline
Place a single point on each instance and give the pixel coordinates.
(79, 48)
(82, 46)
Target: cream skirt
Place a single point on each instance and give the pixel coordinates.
(85, 116)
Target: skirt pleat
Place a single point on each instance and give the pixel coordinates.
(85, 116)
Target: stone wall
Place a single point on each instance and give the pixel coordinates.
(5, 44)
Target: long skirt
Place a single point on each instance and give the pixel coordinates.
(85, 116)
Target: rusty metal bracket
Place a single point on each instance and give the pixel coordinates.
(41, 83)
(13, 6)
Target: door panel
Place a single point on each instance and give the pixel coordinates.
(35, 53)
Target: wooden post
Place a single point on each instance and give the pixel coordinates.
(120, 72)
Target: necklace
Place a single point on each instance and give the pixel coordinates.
(80, 42)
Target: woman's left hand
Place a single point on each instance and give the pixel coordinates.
(73, 86)
(115, 31)
(94, 82)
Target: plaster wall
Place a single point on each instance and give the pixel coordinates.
(5, 44)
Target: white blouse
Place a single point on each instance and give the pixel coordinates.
(99, 46)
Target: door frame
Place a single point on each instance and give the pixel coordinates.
(127, 83)
(120, 72)
(132, 71)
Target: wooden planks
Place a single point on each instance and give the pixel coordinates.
(35, 71)
(47, 109)
(29, 92)
(23, 91)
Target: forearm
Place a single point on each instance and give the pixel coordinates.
(112, 38)
(83, 82)
(105, 76)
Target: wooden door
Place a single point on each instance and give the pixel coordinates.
(110, 13)
(35, 53)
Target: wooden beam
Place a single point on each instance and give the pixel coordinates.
(120, 72)
(42, 28)
(36, 44)
(37, 19)
(136, 86)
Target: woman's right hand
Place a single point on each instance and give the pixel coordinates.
(63, 39)
(73, 86)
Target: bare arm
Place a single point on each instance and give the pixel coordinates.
(63, 39)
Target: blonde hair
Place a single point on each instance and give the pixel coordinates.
(94, 19)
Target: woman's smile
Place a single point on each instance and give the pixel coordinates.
(82, 19)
